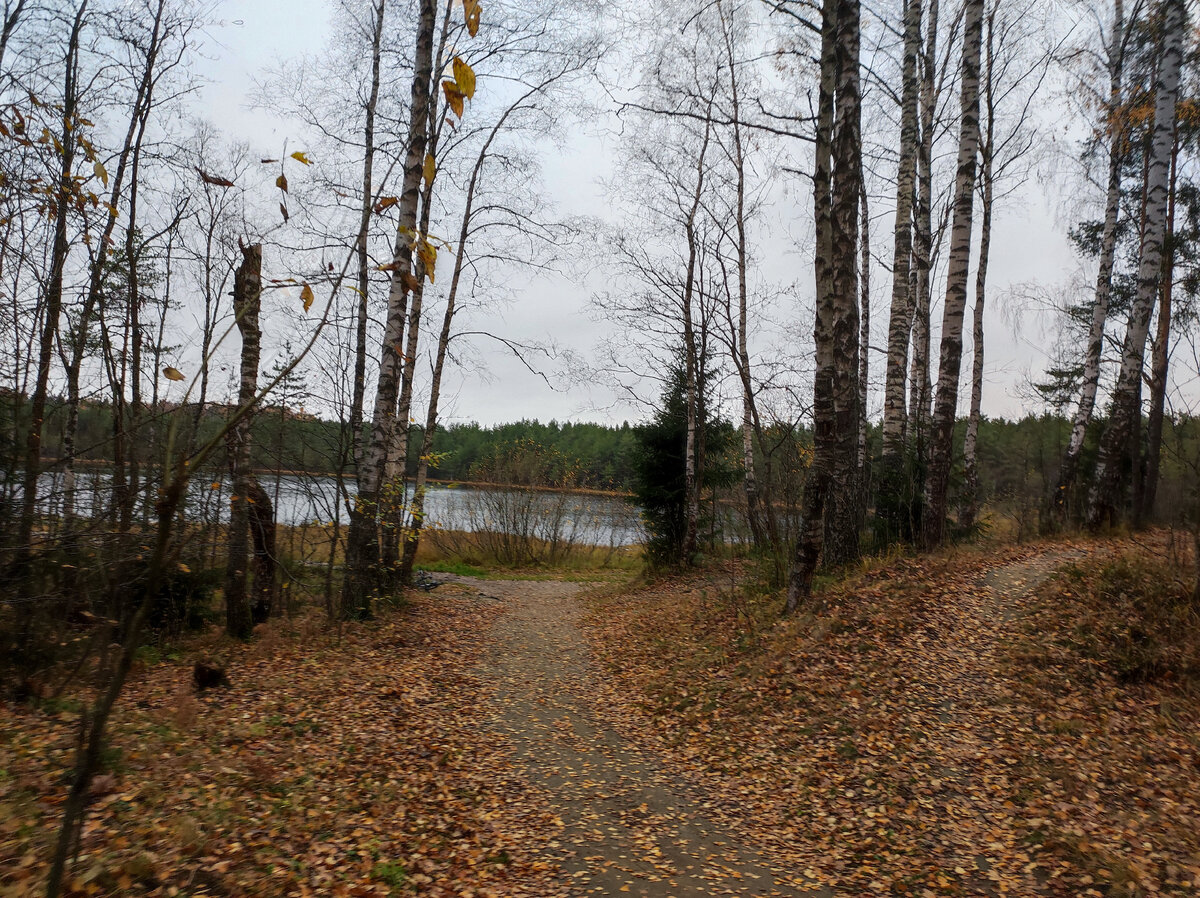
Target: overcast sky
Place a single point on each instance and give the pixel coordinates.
(1029, 245)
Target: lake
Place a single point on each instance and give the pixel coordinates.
(593, 519)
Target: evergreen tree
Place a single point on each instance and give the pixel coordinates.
(658, 463)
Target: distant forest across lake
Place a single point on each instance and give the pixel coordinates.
(286, 439)
(1019, 456)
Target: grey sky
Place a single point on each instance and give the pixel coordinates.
(1029, 244)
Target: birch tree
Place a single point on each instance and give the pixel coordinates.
(247, 293)
(919, 389)
(1160, 359)
(759, 509)
(1117, 140)
(1114, 467)
(900, 314)
(362, 544)
(830, 517)
(954, 311)
(1014, 69)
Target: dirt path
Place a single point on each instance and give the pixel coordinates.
(964, 696)
(626, 826)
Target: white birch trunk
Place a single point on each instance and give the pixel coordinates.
(1108, 246)
(919, 385)
(362, 543)
(830, 517)
(900, 314)
(954, 310)
(970, 506)
(692, 374)
(1113, 469)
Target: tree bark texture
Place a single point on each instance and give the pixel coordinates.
(362, 542)
(359, 388)
(1114, 467)
(919, 385)
(393, 512)
(954, 311)
(1160, 360)
(247, 292)
(830, 517)
(1069, 469)
(900, 312)
(970, 504)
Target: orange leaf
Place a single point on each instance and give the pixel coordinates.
(454, 97)
(385, 202)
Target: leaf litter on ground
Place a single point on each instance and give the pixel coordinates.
(921, 730)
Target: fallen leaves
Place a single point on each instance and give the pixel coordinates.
(349, 765)
(930, 729)
(896, 741)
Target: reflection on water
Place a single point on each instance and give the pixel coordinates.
(598, 520)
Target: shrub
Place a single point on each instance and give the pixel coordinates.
(528, 514)
(1137, 618)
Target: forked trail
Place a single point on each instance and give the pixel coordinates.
(627, 826)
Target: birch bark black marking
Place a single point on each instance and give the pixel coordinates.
(830, 519)
(247, 291)
(987, 150)
(950, 357)
(1114, 467)
(362, 540)
(1069, 469)
(1160, 359)
(919, 387)
(900, 314)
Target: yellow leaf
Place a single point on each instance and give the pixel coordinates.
(464, 77)
(172, 373)
(306, 296)
(471, 14)
(183, 567)
(216, 485)
(454, 97)
(301, 158)
(281, 183)
(430, 169)
(427, 253)
(101, 172)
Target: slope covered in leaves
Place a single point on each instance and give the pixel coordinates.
(331, 766)
(909, 735)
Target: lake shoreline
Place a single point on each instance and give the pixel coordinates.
(93, 464)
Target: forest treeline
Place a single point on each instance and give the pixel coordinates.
(291, 440)
(1018, 459)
